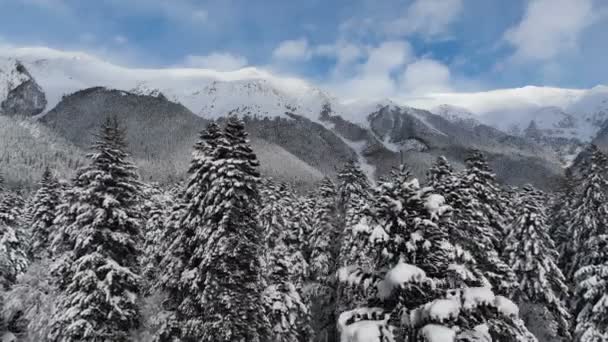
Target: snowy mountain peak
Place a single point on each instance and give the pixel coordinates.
(12, 75)
(143, 89)
(457, 114)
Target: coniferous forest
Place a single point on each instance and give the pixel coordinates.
(227, 255)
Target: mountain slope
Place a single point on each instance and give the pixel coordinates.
(316, 128)
(417, 137)
(28, 148)
(161, 134)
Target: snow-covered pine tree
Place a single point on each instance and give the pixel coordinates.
(591, 298)
(184, 242)
(284, 265)
(353, 196)
(588, 215)
(559, 215)
(14, 246)
(478, 223)
(156, 207)
(441, 175)
(217, 253)
(421, 283)
(531, 254)
(588, 232)
(231, 263)
(494, 201)
(98, 299)
(325, 232)
(324, 248)
(14, 238)
(43, 211)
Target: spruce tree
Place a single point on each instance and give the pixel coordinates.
(324, 246)
(157, 207)
(440, 175)
(14, 238)
(422, 282)
(531, 254)
(325, 234)
(587, 247)
(100, 223)
(285, 267)
(479, 222)
(219, 291)
(588, 216)
(353, 196)
(591, 298)
(43, 214)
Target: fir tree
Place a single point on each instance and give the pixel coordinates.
(285, 267)
(531, 254)
(415, 287)
(587, 247)
(43, 212)
(588, 216)
(353, 196)
(440, 175)
(14, 239)
(219, 293)
(479, 223)
(592, 301)
(98, 300)
(560, 214)
(325, 234)
(157, 207)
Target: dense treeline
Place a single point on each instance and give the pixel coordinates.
(230, 256)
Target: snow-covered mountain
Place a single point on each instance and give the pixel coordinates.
(564, 113)
(380, 133)
(207, 93)
(457, 115)
(560, 119)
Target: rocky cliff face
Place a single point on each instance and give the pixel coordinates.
(22, 95)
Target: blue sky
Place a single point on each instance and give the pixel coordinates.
(382, 46)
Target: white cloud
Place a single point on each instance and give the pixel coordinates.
(426, 17)
(293, 50)
(387, 57)
(550, 28)
(426, 76)
(219, 61)
(373, 77)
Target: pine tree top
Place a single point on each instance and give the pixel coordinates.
(352, 180)
(476, 163)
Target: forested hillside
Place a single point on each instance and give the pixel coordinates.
(98, 253)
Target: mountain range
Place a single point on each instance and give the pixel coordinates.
(299, 131)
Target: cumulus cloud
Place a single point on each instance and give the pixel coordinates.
(344, 52)
(391, 70)
(426, 17)
(426, 76)
(293, 50)
(387, 57)
(550, 28)
(220, 61)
